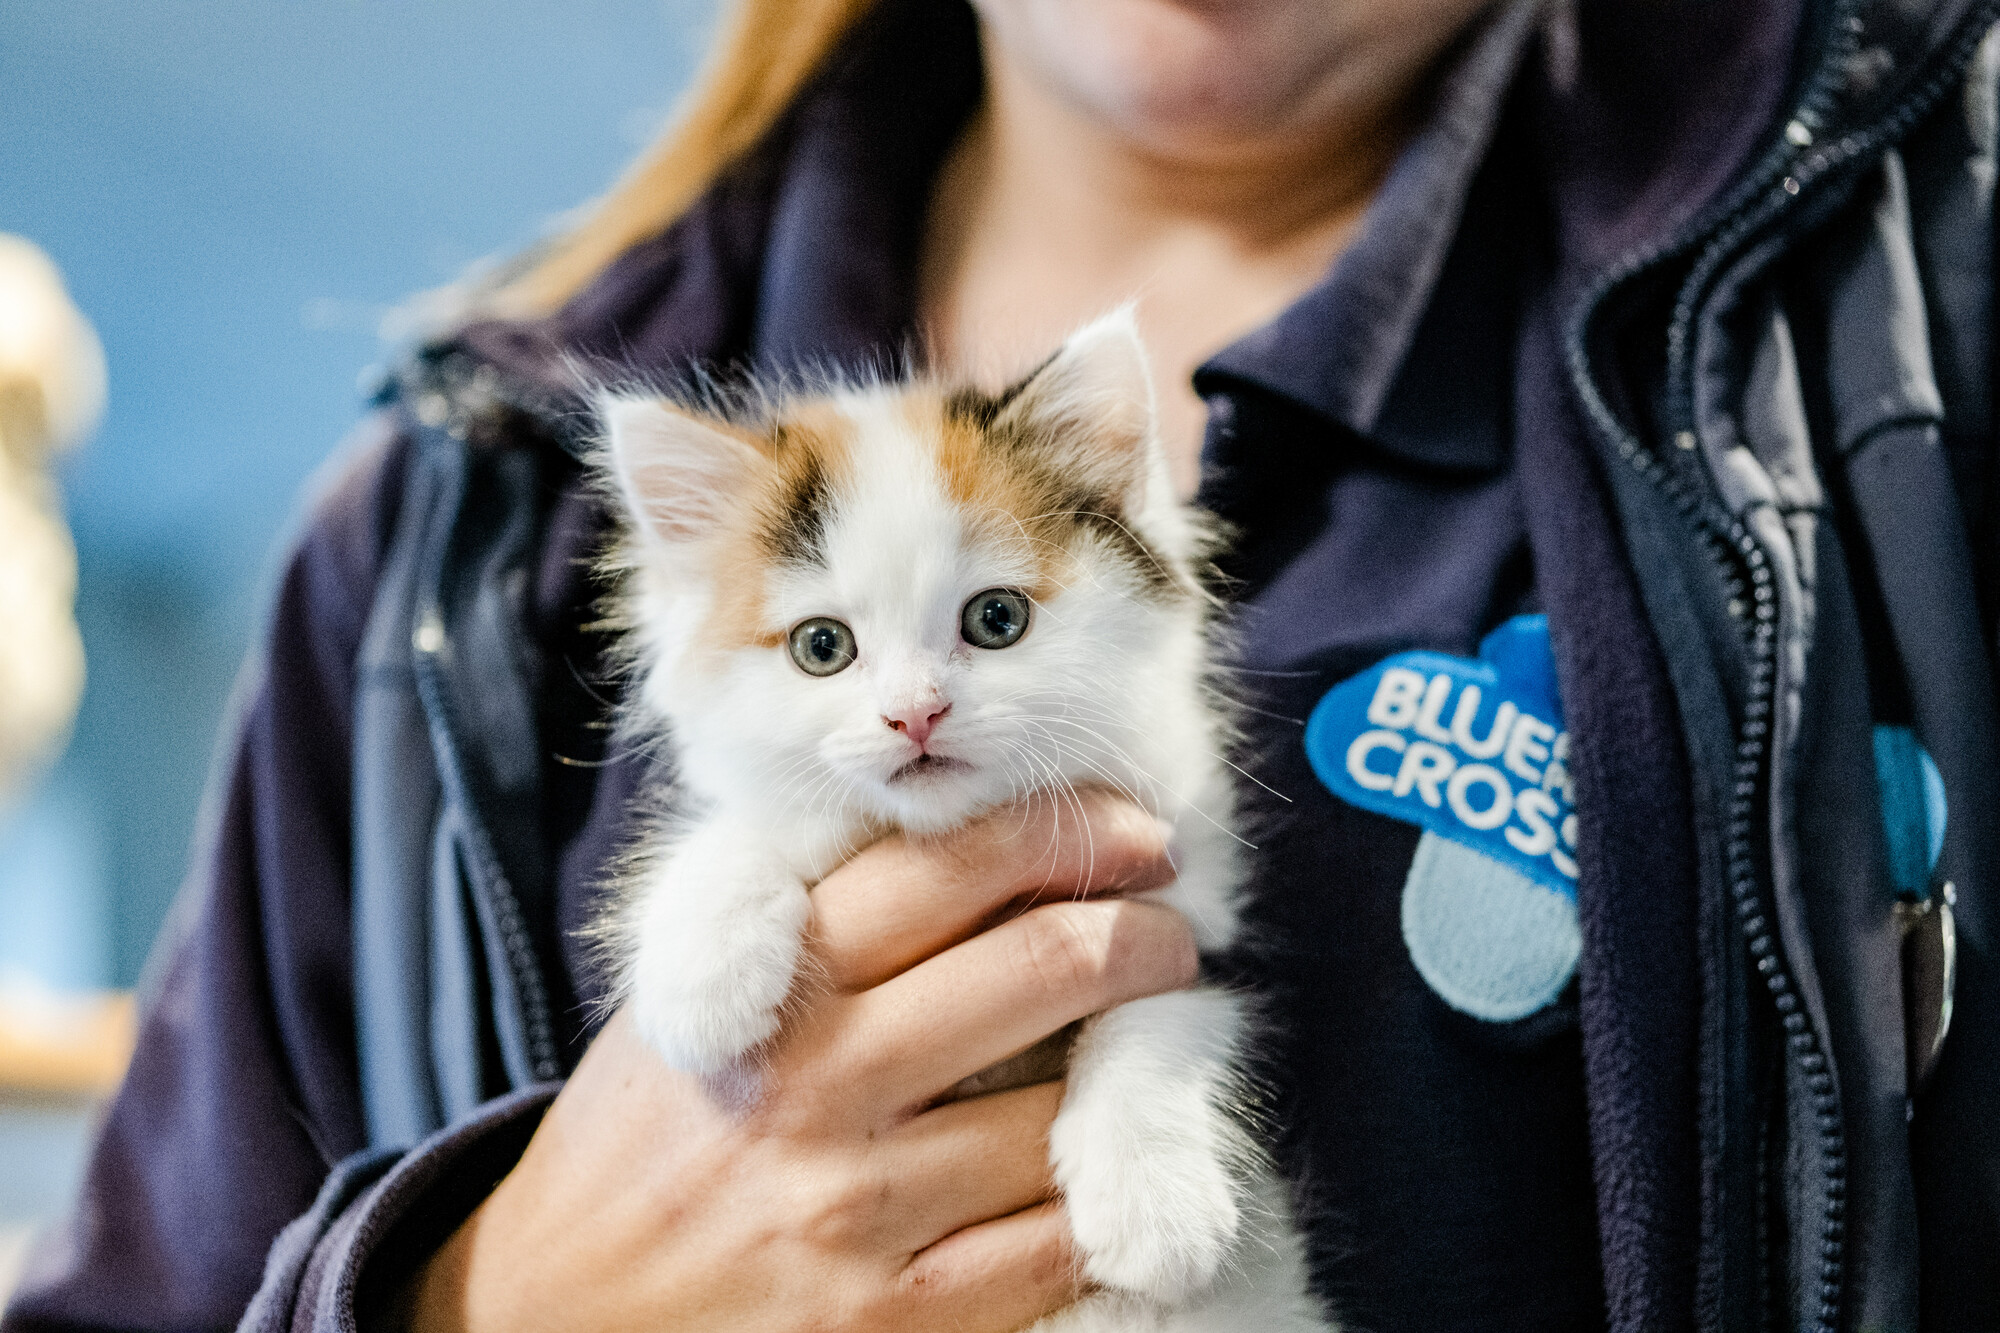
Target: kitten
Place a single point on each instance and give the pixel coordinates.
(893, 607)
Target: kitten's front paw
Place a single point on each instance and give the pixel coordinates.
(1157, 1225)
(1156, 1219)
(718, 946)
(1147, 1158)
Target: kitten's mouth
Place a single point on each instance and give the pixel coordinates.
(928, 766)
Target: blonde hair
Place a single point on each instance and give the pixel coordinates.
(766, 52)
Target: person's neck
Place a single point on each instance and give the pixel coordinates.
(1045, 217)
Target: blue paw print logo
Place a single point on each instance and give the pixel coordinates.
(1473, 751)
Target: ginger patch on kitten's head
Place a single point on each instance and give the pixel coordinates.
(722, 502)
(1067, 453)
(900, 595)
(810, 445)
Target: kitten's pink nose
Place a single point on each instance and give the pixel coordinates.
(916, 722)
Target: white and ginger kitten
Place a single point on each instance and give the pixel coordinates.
(894, 607)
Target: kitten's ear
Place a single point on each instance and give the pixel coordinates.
(1093, 401)
(678, 474)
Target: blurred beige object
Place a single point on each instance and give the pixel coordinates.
(60, 1045)
(13, 1257)
(51, 395)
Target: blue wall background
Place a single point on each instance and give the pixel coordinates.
(237, 191)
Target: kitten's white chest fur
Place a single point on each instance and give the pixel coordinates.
(893, 608)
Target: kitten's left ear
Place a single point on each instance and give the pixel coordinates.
(1093, 402)
(679, 473)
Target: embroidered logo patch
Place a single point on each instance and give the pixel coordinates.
(1473, 751)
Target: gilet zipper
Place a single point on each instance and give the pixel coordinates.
(1780, 183)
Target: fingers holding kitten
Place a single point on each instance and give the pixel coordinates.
(906, 899)
(993, 1151)
(1004, 1274)
(979, 1002)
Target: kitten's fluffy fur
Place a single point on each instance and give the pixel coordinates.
(887, 507)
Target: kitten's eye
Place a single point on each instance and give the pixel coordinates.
(995, 618)
(822, 647)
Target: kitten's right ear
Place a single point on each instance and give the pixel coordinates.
(678, 474)
(1092, 405)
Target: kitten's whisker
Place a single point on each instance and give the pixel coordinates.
(1038, 789)
(1111, 779)
(1076, 709)
(1059, 789)
(1061, 785)
(587, 687)
(1224, 759)
(568, 762)
(1114, 751)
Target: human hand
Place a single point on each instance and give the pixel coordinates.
(830, 1188)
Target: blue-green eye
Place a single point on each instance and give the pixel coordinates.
(995, 618)
(822, 647)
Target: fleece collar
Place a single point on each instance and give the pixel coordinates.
(1405, 342)
(804, 252)
(804, 255)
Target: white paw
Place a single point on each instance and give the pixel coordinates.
(1158, 1225)
(1150, 1164)
(716, 952)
